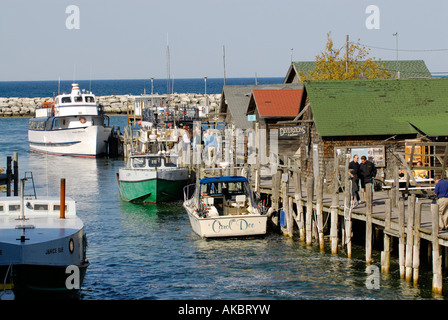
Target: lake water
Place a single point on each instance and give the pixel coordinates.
(150, 252)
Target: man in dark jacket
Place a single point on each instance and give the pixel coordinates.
(367, 172)
(353, 169)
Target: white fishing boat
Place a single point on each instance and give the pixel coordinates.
(73, 125)
(224, 206)
(42, 247)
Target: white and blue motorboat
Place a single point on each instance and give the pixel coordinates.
(224, 206)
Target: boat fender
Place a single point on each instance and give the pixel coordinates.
(82, 120)
(282, 219)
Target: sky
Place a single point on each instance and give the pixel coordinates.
(117, 39)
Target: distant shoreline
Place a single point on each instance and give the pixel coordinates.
(113, 104)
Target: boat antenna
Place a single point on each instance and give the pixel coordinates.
(59, 85)
(224, 61)
(74, 72)
(90, 80)
(168, 88)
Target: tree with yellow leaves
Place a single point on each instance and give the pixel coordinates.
(332, 64)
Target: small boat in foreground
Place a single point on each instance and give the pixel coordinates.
(224, 206)
(74, 125)
(42, 247)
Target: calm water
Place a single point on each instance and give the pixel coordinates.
(150, 252)
(34, 89)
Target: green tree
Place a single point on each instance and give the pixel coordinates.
(353, 64)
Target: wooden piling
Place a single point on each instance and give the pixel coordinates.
(385, 255)
(319, 211)
(369, 203)
(416, 254)
(436, 257)
(299, 204)
(334, 217)
(290, 222)
(401, 238)
(410, 237)
(347, 209)
(309, 209)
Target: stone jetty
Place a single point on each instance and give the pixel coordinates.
(113, 104)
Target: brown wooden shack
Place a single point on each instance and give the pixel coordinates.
(375, 117)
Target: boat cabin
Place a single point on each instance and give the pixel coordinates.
(152, 161)
(228, 195)
(74, 103)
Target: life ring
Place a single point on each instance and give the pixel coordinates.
(82, 120)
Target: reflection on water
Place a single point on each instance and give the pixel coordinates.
(150, 252)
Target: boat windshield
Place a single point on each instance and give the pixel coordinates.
(170, 161)
(67, 99)
(228, 189)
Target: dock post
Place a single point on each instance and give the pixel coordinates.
(396, 189)
(309, 209)
(369, 202)
(416, 254)
(285, 203)
(385, 255)
(8, 175)
(401, 238)
(299, 204)
(347, 210)
(436, 257)
(334, 217)
(276, 184)
(290, 222)
(319, 211)
(15, 162)
(410, 237)
(62, 200)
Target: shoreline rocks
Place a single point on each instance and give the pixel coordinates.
(113, 104)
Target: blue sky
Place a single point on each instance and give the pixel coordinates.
(120, 39)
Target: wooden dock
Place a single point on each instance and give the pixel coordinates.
(330, 216)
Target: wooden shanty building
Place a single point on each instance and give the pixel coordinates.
(275, 110)
(235, 100)
(401, 69)
(378, 118)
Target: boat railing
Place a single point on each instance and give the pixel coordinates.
(7, 287)
(188, 191)
(29, 176)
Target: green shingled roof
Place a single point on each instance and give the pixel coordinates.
(379, 107)
(407, 68)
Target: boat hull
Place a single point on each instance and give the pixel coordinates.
(40, 268)
(152, 185)
(31, 281)
(228, 226)
(88, 141)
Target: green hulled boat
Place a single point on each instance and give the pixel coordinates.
(152, 178)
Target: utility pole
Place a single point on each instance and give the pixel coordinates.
(346, 54)
(396, 35)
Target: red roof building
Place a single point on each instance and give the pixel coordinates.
(275, 103)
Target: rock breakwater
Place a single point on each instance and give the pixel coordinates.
(113, 104)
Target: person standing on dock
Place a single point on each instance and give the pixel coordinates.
(441, 191)
(367, 171)
(353, 169)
